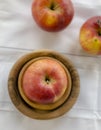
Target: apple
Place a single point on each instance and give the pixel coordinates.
(44, 81)
(90, 35)
(52, 15)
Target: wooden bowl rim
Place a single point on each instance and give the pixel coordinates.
(44, 106)
(34, 113)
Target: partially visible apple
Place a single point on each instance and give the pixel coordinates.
(90, 35)
(44, 81)
(52, 15)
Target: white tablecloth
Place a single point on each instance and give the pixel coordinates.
(19, 35)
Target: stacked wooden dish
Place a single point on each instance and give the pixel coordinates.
(35, 109)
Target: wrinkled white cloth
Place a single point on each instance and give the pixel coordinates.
(19, 35)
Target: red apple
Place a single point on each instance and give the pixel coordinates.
(52, 15)
(44, 81)
(90, 35)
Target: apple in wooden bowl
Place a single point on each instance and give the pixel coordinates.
(43, 84)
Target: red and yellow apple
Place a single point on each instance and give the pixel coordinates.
(44, 81)
(90, 35)
(52, 15)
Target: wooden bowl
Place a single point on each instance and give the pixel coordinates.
(33, 111)
(43, 106)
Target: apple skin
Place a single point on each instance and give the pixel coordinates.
(52, 15)
(90, 35)
(44, 81)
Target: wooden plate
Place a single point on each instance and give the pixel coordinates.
(43, 106)
(26, 109)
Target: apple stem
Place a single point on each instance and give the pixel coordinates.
(99, 24)
(99, 33)
(53, 6)
(56, 7)
(47, 80)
